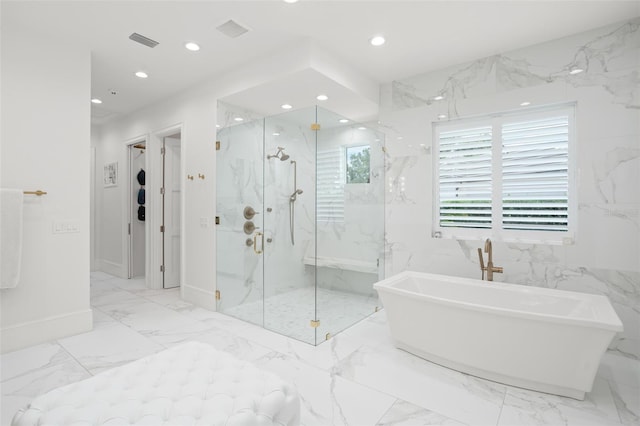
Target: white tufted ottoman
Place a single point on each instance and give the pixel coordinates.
(191, 384)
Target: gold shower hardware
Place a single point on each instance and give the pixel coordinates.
(315, 126)
(248, 227)
(190, 177)
(217, 220)
(201, 176)
(37, 192)
(249, 212)
(217, 294)
(217, 145)
(327, 336)
(248, 242)
(255, 243)
(315, 323)
(377, 309)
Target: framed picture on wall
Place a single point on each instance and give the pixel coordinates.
(110, 174)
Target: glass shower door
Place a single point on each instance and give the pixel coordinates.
(350, 221)
(239, 205)
(289, 221)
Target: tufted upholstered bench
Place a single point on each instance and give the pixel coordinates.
(190, 384)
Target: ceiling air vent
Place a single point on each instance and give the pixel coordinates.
(232, 29)
(143, 40)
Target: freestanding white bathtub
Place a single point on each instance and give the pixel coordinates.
(531, 337)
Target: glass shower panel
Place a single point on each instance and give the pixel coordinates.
(239, 204)
(289, 223)
(350, 222)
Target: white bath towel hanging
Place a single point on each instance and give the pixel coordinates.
(10, 236)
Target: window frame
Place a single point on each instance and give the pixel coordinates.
(496, 231)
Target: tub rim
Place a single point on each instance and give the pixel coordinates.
(612, 324)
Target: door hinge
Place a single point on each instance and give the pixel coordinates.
(315, 323)
(162, 190)
(162, 151)
(217, 294)
(161, 228)
(217, 145)
(161, 268)
(217, 220)
(129, 228)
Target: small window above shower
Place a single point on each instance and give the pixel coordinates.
(358, 164)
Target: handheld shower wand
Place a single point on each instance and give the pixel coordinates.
(292, 200)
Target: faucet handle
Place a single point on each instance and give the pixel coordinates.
(481, 259)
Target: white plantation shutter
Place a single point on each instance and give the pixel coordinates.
(535, 174)
(465, 178)
(509, 173)
(330, 186)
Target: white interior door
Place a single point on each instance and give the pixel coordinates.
(171, 212)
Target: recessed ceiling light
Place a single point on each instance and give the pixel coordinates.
(575, 71)
(217, 126)
(438, 98)
(322, 97)
(96, 101)
(441, 116)
(291, 1)
(362, 128)
(276, 134)
(286, 106)
(377, 40)
(239, 119)
(344, 120)
(192, 46)
(142, 74)
(525, 103)
(400, 138)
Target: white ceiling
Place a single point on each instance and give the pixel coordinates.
(422, 36)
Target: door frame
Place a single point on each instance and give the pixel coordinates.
(128, 205)
(153, 277)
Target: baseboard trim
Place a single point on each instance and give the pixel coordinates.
(200, 297)
(30, 333)
(113, 268)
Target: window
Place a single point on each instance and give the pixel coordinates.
(509, 174)
(330, 186)
(358, 164)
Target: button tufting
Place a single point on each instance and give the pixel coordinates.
(188, 384)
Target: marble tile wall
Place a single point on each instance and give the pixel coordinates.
(605, 258)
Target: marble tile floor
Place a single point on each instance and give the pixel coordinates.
(356, 378)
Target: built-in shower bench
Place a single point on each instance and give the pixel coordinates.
(342, 263)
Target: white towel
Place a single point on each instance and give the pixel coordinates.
(10, 236)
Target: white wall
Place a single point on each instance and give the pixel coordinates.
(46, 145)
(605, 258)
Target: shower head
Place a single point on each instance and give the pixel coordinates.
(279, 154)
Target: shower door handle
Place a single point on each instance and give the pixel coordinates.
(255, 244)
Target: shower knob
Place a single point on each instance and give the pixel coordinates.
(269, 209)
(249, 242)
(249, 212)
(248, 227)
(269, 240)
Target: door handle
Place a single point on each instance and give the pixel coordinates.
(255, 244)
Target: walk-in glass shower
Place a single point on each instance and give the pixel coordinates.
(300, 242)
